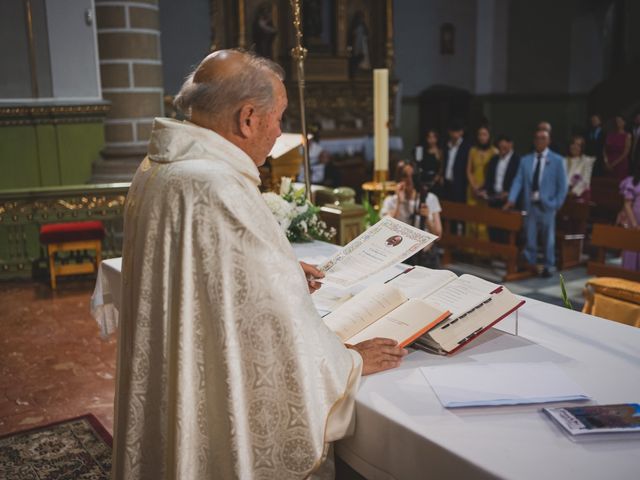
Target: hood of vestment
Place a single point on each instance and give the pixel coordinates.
(174, 141)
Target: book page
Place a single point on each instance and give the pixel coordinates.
(461, 295)
(363, 309)
(387, 243)
(422, 282)
(457, 331)
(404, 324)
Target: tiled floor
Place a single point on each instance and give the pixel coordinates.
(53, 363)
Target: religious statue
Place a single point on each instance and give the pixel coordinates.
(264, 32)
(358, 44)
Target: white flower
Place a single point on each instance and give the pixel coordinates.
(282, 210)
(302, 209)
(285, 185)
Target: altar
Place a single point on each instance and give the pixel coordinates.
(403, 432)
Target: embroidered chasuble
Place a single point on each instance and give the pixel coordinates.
(225, 369)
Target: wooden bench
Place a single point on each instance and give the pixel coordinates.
(609, 237)
(511, 222)
(571, 230)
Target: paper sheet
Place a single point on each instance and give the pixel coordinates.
(479, 384)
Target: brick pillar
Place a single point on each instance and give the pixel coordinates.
(131, 75)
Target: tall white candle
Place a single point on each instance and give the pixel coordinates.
(381, 119)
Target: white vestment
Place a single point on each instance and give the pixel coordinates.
(225, 369)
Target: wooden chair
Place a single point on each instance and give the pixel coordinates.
(571, 229)
(615, 299)
(609, 237)
(511, 222)
(69, 237)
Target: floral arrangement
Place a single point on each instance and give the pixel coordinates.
(297, 217)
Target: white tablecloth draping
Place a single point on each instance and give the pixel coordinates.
(105, 300)
(403, 432)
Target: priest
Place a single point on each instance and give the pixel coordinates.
(225, 370)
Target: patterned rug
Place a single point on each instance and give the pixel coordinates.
(78, 448)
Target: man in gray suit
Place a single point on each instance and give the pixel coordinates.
(542, 180)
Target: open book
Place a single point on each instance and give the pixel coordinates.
(437, 310)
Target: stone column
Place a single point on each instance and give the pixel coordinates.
(131, 76)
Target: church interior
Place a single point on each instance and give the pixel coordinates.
(83, 80)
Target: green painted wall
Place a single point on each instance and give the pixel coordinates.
(48, 154)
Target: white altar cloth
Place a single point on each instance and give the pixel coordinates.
(403, 432)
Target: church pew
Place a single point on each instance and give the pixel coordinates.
(571, 229)
(609, 237)
(606, 200)
(511, 222)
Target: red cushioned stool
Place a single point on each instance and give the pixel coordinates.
(65, 237)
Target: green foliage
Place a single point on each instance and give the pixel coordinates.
(565, 297)
(373, 215)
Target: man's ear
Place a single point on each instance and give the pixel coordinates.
(247, 120)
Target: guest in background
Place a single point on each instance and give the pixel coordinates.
(318, 158)
(630, 190)
(498, 179)
(431, 163)
(579, 168)
(617, 146)
(501, 171)
(546, 126)
(454, 169)
(479, 156)
(543, 182)
(595, 144)
(414, 204)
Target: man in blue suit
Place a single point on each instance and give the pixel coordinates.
(542, 180)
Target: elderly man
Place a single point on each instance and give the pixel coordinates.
(225, 370)
(542, 180)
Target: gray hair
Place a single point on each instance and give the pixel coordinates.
(223, 95)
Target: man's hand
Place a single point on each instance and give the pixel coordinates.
(312, 274)
(508, 206)
(379, 354)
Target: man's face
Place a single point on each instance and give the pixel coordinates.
(269, 124)
(455, 135)
(595, 121)
(504, 147)
(636, 120)
(541, 141)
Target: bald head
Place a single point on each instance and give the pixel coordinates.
(218, 65)
(224, 81)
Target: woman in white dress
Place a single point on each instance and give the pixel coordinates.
(579, 167)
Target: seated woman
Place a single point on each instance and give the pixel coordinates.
(579, 168)
(415, 205)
